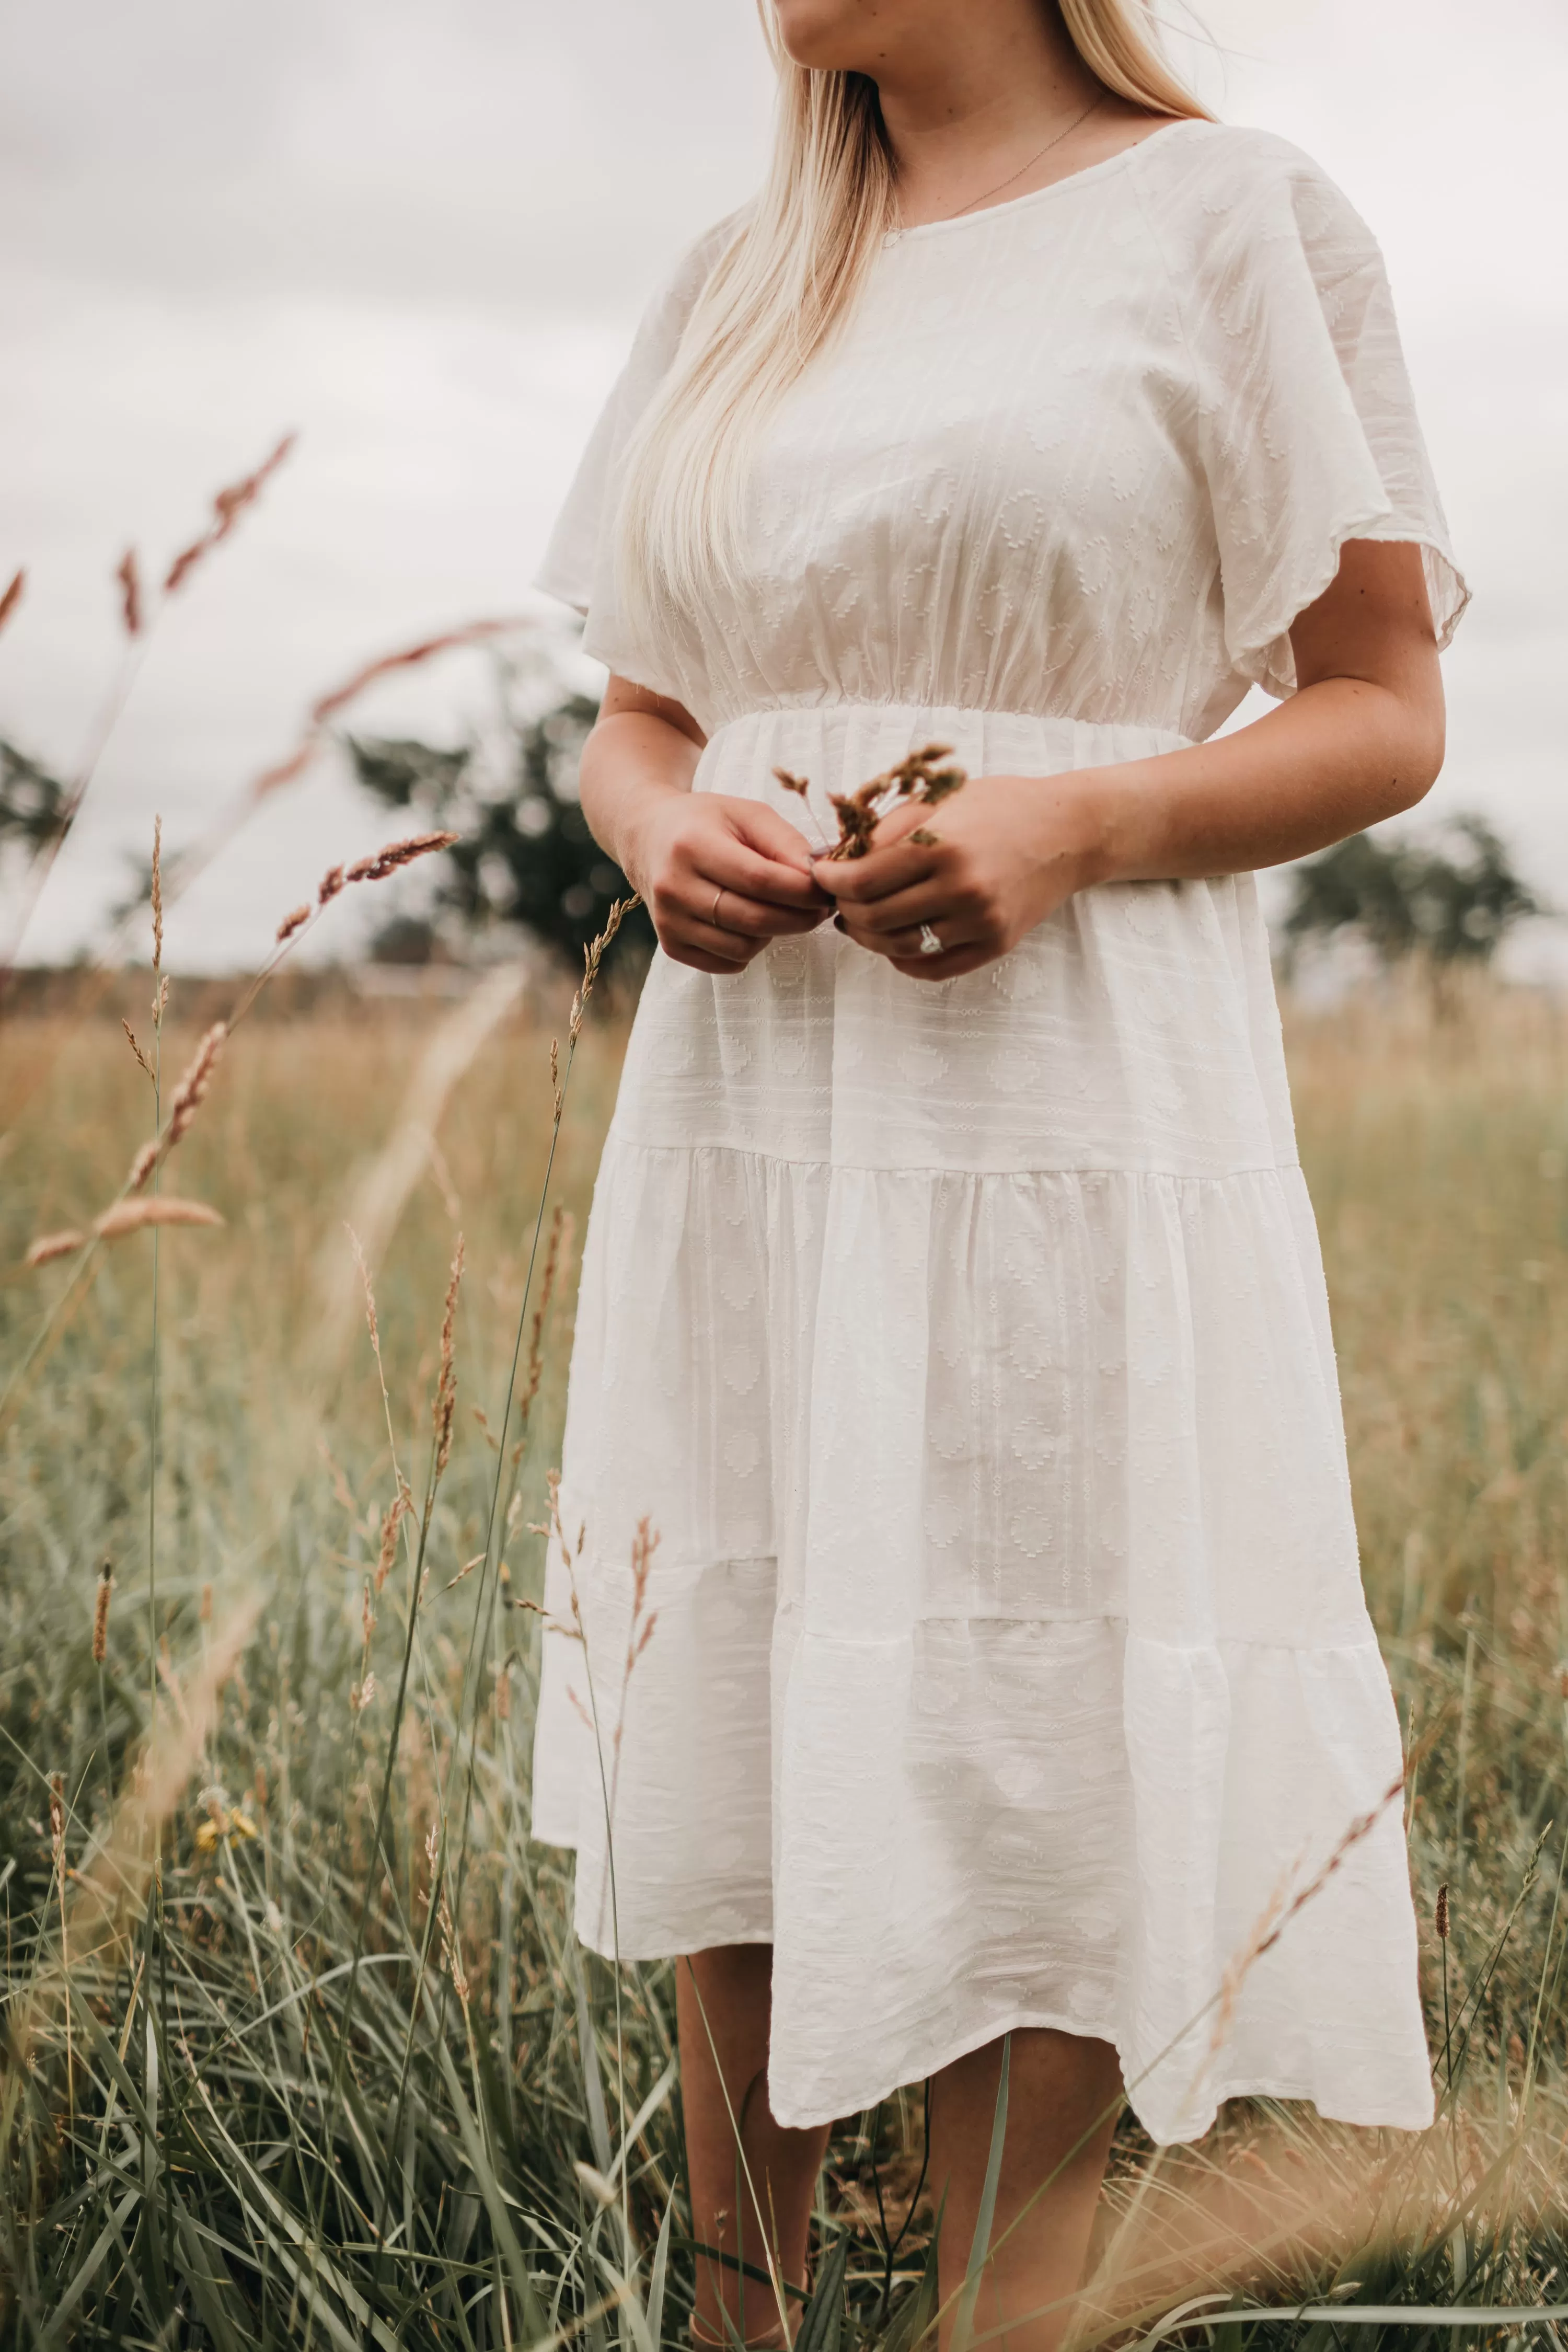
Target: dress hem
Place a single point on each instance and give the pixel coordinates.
(811, 2114)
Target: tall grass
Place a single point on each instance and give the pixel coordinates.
(300, 2048)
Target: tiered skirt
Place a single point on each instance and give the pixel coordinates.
(965, 1344)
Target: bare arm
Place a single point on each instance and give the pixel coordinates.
(1360, 740)
(720, 876)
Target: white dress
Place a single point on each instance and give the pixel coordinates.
(967, 1343)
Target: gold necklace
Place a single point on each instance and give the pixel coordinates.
(1055, 140)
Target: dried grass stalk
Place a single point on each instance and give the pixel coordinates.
(379, 1198)
(227, 507)
(12, 596)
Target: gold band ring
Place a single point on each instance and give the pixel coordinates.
(713, 919)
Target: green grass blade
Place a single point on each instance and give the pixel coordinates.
(963, 2318)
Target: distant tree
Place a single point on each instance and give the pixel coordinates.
(1407, 897)
(32, 802)
(526, 855)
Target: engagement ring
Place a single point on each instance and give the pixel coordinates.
(929, 943)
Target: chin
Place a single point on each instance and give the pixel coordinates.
(834, 35)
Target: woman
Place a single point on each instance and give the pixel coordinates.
(952, 1303)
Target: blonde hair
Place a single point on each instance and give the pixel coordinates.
(783, 282)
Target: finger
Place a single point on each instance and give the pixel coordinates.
(731, 864)
(722, 910)
(772, 833)
(727, 950)
(906, 910)
(880, 871)
(904, 946)
(695, 961)
(973, 956)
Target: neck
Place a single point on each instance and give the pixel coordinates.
(977, 98)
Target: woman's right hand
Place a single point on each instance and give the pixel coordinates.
(720, 877)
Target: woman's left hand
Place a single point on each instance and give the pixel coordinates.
(1008, 851)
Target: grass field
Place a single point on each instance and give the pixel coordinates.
(299, 2047)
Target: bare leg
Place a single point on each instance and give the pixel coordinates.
(722, 2003)
(1058, 2084)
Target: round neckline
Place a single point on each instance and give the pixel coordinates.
(1106, 164)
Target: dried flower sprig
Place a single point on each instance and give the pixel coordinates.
(919, 777)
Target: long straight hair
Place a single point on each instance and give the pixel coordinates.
(784, 283)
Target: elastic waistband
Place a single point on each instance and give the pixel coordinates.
(1077, 742)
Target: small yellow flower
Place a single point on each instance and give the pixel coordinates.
(222, 1823)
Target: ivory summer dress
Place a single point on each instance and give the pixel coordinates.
(967, 1343)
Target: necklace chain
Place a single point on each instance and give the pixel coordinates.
(1055, 140)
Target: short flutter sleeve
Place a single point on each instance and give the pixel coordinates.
(579, 563)
(1309, 431)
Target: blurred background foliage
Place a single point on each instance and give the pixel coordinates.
(1444, 896)
(526, 862)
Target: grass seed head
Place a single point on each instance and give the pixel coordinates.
(229, 505)
(445, 1402)
(293, 922)
(391, 1520)
(151, 1209)
(140, 1056)
(12, 596)
(130, 579)
(1442, 1913)
(101, 1615)
(398, 854)
(48, 1246)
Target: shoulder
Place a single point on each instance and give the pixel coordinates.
(1226, 192)
(676, 296)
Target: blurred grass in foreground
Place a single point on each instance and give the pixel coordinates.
(194, 2154)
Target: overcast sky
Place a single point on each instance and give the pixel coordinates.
(421, 235)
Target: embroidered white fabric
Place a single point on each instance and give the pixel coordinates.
(967, 1343)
